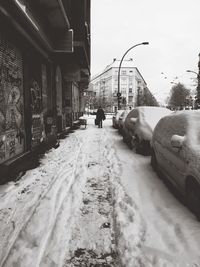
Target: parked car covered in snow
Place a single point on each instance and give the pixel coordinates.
(139, 125)
(122, 118)
(115, 119)
(176, 153)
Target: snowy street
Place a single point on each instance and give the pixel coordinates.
(94, 202)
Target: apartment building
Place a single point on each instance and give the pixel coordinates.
(44, 71)
(132, 84)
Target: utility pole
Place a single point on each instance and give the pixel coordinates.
(198, 85)
(197, 97)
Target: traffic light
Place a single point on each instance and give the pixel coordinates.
(119, 99)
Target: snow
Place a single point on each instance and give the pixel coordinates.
(171, 233)
(182, 126)
(116, 119)
(152, 115)
(94, 201)
(147, 118)
(122, 118)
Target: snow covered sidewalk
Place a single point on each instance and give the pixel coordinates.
(63, 213)
(94, 202)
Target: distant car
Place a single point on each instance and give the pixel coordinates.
(139, 125)
(94, 112)
(115, 119)
(176, 153)
(122, 118)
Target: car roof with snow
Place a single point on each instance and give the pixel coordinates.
(150, 114)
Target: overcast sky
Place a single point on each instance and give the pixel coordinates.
(172, 28)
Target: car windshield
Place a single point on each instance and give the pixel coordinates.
(125, 113)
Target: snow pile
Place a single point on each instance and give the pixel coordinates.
(36, 211)
(129, 226)
(84, 117)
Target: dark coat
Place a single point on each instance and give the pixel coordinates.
(100, 114)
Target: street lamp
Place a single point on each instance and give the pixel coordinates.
(193, 72)
(118, 91)
(197, 101)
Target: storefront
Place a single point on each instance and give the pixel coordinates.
(12, 134)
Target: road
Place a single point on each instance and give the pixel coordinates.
(95, 202)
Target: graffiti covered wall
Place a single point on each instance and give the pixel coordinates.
(12, 135)
(37, 129)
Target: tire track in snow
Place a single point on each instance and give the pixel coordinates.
(156, 257)
(91, 238)
(20, 205)
(57, 182)
(129, 227)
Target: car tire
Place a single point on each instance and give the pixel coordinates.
(135, 144)
(193, 197)
(154, 163)
(129, 142)
(124, 138)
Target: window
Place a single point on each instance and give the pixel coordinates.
(130, 90)
(123, 90)
(123, 72)
(130, 99)
(123, 80)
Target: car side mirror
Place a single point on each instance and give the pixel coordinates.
(177, 141)
(133, 120)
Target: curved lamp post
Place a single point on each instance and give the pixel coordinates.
(193, 72)
(118, 91)
(197, 97)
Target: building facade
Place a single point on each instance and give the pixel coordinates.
(44, 71)
(132, 84)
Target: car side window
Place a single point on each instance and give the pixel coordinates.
(166, 128)
(134, 114)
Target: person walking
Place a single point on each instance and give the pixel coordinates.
(100, 116)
